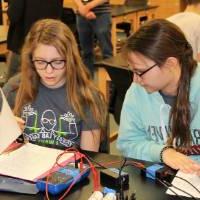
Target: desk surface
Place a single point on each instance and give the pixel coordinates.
(144, 188)
(118, 10)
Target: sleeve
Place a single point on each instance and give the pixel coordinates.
(90, 123)
(132, 139)
(15, 10)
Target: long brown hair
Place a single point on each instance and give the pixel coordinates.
(159, 40)
(81, 91)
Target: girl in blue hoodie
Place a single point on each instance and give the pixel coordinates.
(160, 118)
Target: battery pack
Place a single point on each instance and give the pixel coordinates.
(110, 177)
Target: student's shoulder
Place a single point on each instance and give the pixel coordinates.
(136, 89)
(136, 93)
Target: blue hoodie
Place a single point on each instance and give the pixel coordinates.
(144, 123)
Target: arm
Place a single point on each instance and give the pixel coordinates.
(15, 10)
(90, 140)
(84, 9)
(95, 3)
(133, 140)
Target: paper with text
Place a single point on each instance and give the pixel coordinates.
(30, 161)
(183, 185)
(9, 129)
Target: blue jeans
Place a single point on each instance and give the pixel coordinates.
(87, 29)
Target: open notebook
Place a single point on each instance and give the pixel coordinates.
(29, 162)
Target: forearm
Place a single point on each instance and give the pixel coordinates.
(89, 5)
(140, 149)
(78, 3)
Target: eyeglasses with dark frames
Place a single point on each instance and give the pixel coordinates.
(140, 74)
(55, 64)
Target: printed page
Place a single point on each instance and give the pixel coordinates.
(30, 161)
(9, 129)
(183, 185)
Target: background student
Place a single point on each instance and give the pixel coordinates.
(60, 105)
(22, 14)
(189, 22)
(94, 19)
(161, 112)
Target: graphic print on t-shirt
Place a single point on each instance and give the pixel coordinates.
(47, 127)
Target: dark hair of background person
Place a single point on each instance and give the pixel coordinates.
(159, 40)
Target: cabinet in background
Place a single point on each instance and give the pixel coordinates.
(167, 7)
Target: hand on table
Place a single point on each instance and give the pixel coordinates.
(181, 162)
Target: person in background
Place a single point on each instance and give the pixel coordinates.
(22, 14)
(189, 22)
(94, 19)
(161, 111)
(57, 103)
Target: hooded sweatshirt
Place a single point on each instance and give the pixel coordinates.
(144, 124)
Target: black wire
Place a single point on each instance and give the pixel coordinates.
(188, 183)
(166, 185)
(94, 161)
(121, 191)
(172, 185)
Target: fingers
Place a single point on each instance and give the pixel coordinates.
(20, 122)
(180, 162)
(90, 15)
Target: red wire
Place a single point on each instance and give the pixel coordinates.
(96, 181)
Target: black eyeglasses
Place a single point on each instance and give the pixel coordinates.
(55, 64)
(140, 74)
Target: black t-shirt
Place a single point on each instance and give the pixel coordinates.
(51, 121)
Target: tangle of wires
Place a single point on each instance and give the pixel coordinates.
(142, 167)
(165, 183)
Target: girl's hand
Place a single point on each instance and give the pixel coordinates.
(90, 15)
(179, 161)
(20, 122)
